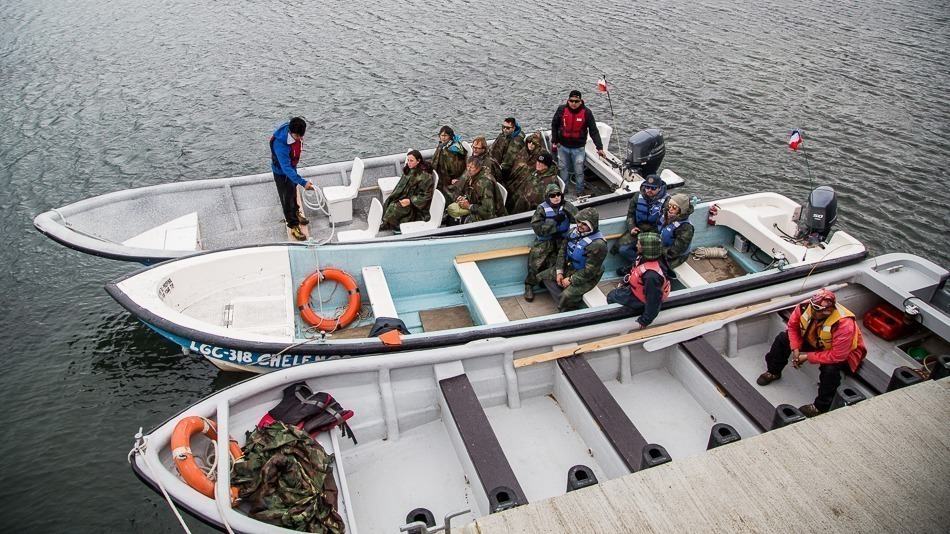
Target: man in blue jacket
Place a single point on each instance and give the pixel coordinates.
(285, 147)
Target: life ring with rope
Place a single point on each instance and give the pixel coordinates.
(312, 318)
(185, 459)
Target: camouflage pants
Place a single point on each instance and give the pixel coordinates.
(543, 254)
(396, 214)
(571, 298)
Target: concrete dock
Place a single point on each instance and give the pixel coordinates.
(882, 465)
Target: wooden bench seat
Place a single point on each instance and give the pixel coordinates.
(603, 407)
(728, 378)
(485, 307)
(377, 290)
(487, 457)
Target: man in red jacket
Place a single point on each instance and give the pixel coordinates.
(822, 332)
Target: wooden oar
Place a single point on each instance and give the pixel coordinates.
(633, 337)
(775, 304)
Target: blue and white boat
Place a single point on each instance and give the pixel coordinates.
(237, 307)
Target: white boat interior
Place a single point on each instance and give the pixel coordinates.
(472, 429)
(443, 286)
(154, 223)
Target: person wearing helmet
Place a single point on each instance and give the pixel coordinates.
(580, 261)
(647, 285)
(822, 332)
(676, 232)
(551, 223)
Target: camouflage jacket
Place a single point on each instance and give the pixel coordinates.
(530, 192)
(547, 227)
(449, 162)
(505, 149)
(523, 166)
(595, 253)
(286, 478)
(416, 185)
(481, 192)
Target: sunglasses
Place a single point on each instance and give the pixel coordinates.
(504, 127)
(818, 307)
(552, 195)
(574, 101)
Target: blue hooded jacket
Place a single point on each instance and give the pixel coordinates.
(280, 151)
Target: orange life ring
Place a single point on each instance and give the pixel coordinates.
(322, 323)
(185, 460)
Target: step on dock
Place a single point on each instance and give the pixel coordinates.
(878, 466)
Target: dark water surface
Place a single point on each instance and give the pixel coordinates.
(101, 96)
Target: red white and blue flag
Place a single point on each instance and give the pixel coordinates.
(795, 139)
(602, 85)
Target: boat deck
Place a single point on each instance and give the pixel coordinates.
(878, 466)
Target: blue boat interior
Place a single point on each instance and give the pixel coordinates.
(422, 277)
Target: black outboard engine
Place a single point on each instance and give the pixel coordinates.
(645, 151)
(819, 215)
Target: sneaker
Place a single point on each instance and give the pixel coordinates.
(809, 410)
(528, 292)
(766, 378)
(302, 218)
(297, 234)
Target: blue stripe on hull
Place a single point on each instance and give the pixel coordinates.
(251, 361)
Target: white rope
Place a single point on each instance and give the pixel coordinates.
(140, 449)
(319, 203)
(701, 253)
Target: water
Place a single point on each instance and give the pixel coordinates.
(101, 96)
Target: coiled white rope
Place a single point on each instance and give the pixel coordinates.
(702, 253)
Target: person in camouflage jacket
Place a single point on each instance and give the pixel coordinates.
(676, 232)
(475, 194)
(551, 223)
(580, 261)
(410, 200)
(448, 161)
(506, 148)
(523, 167)
(531, 192)
(286, 479)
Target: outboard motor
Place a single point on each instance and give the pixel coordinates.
(645, 151)
(819, 215)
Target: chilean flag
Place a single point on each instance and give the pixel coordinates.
(602, 85)
(794, 139)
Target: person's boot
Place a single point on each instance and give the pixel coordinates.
(766, 378)
(528, 292)
(297, 234)
(302, 218)
(809, 410)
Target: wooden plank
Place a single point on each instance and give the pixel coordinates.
(503, 252)
(633, 337)
(603, 407)
(736, 387)
(482, 445)
(882, 468)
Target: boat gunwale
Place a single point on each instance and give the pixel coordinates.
(370, 346)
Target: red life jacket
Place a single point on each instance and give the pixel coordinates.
(636, 279)
(295, 149)
(574, 125)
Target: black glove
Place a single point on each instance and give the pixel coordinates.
(560, 217)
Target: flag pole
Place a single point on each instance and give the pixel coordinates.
(613, 120)
(811, 183)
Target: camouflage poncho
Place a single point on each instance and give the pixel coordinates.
(286, 478)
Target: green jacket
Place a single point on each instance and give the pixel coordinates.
(504, 150)
(449, 162)
(480, 191)
(548, 227)
(596, 253)
(682, 237)
(416, 185)
(523, 166)
(530, 192)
